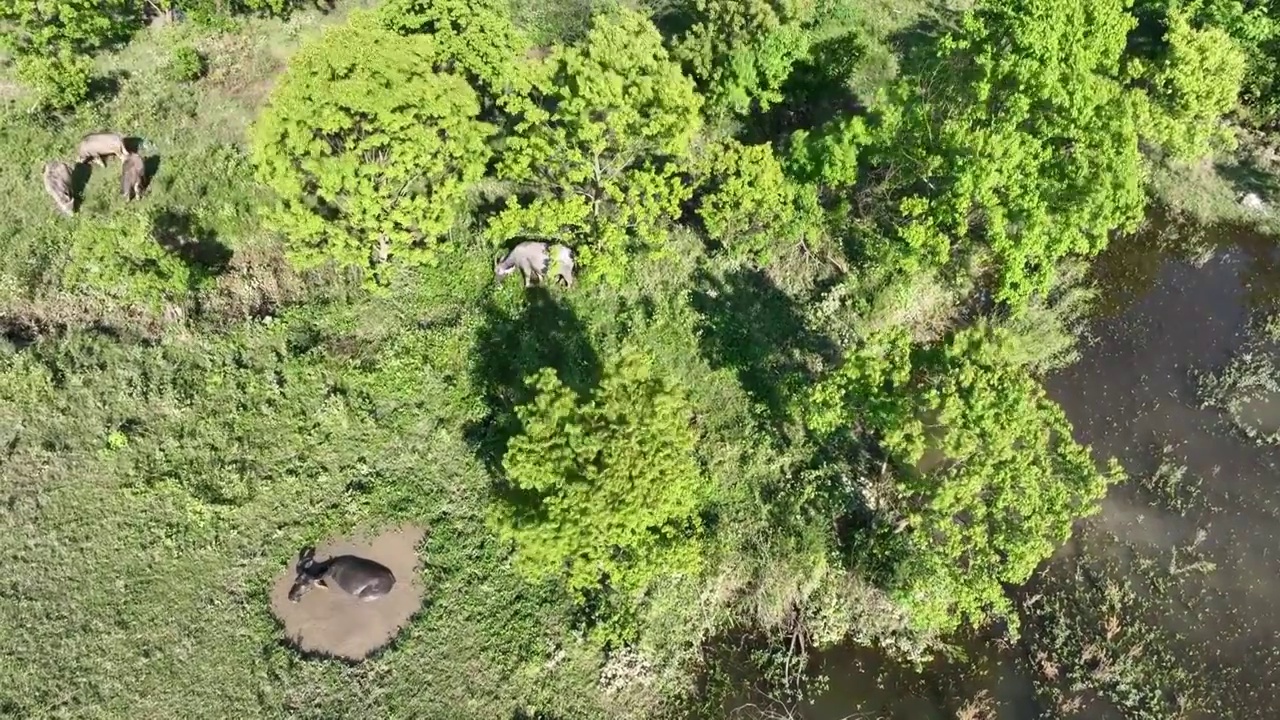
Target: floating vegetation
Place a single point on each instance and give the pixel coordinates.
(1092, 648)
(1248, 388)
(1170, 486)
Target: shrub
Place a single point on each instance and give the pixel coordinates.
(136, 258)
(605, 490)
(59, 81)
(606, 129)
(369, 148)
(186, 64)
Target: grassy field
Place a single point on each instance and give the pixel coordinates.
(181, 411)
(158, 472)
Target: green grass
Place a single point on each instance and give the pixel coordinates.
(1208, 191)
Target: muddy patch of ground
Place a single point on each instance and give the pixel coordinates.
(331, 622)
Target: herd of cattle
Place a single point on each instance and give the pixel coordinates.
(94, 147)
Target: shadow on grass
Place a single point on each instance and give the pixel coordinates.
(80, 174)
(150, 168)
(749, 324)
(181, 234)
(514, 344)
(1246, 177)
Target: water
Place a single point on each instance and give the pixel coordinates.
(1164, 316)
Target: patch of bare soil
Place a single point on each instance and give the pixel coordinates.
(331, 622)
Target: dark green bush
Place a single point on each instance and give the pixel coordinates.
(186, 64)
(59, 81)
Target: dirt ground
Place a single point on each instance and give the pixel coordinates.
(331, 622)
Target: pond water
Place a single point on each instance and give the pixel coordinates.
(1162, 318)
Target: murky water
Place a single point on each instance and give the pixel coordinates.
(1165, 315)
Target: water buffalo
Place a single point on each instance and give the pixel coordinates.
(361, 577)
(57, 182)
(96, 146)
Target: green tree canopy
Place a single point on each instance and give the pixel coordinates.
(607, 488)
(81, 26)
(369, 148)
(741, 51)
(1015, 138)
(601, 142)
(475, 38)
(1190, 85)
(1005, 488)
(750, 205)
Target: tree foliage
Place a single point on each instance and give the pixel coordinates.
(607, 128)
(369, 148)
(828, 155)
(1253, 25)
(606, 488)
(474, 38)
(741, 51)
(1190, 85)
(1009, 484)
(1015, 138)
(80, 26)
(751, 206)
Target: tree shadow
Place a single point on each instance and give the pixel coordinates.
(540, 333)
(751, 325)
(107, 86)
(818, 90)
(181, 234)
(916, 45)
(1246, 177)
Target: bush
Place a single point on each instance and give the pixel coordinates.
(59, 81)
(605, 491)
(186, 64)
(369, 148)
(601, 142)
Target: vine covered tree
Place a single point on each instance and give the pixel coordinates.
(1014, 139)
(1008, 486)
(369, 148)
(606, 489)
(601, 142)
